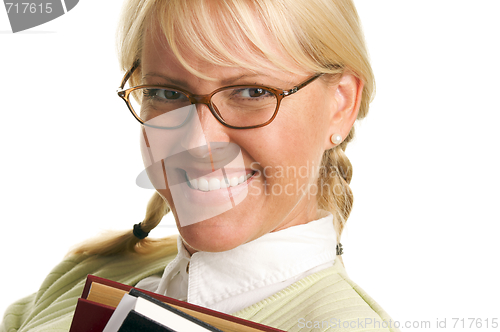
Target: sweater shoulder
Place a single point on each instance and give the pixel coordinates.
(52, 307)
(325, 301)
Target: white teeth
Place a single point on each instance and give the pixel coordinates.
(213, 183)
(234, 182)
(203, 184)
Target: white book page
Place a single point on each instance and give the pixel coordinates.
(166, 317)
(127, 303)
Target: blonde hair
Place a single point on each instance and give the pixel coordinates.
(322, 36)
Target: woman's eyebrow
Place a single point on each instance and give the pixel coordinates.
(231, 80)
(166, 78)
(225, 81)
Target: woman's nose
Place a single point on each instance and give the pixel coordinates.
(202, 129)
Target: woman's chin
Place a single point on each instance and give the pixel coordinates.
(214, 236)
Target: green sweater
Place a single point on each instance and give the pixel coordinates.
(325, 301)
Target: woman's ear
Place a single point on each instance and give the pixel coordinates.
(344, 108)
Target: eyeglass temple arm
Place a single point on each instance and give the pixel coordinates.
(300, 86)
(129, 73)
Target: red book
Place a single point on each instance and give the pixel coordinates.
(93, 312)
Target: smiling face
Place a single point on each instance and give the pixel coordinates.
(269, 170)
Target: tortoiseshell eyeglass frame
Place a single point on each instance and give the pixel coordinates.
(207, 99)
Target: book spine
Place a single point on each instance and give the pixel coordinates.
(90, 316)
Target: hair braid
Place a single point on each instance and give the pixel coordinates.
(334, 178)
(114, 242)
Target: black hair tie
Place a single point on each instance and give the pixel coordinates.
(339, 249)
(138, 232)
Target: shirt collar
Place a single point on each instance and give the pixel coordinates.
(270, 259)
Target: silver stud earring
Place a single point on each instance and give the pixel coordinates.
(336, 139)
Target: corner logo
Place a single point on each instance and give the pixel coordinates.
(26, 14)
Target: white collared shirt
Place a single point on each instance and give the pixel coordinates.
(232, 280)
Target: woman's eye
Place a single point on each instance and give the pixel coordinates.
(169, 94)
(253, 92)
(163, 94)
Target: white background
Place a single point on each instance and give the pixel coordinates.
(422, 238)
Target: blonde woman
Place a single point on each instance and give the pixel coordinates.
(245, 108)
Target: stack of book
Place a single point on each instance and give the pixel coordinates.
(109, 306)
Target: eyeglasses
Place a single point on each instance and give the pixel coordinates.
(236, 106)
